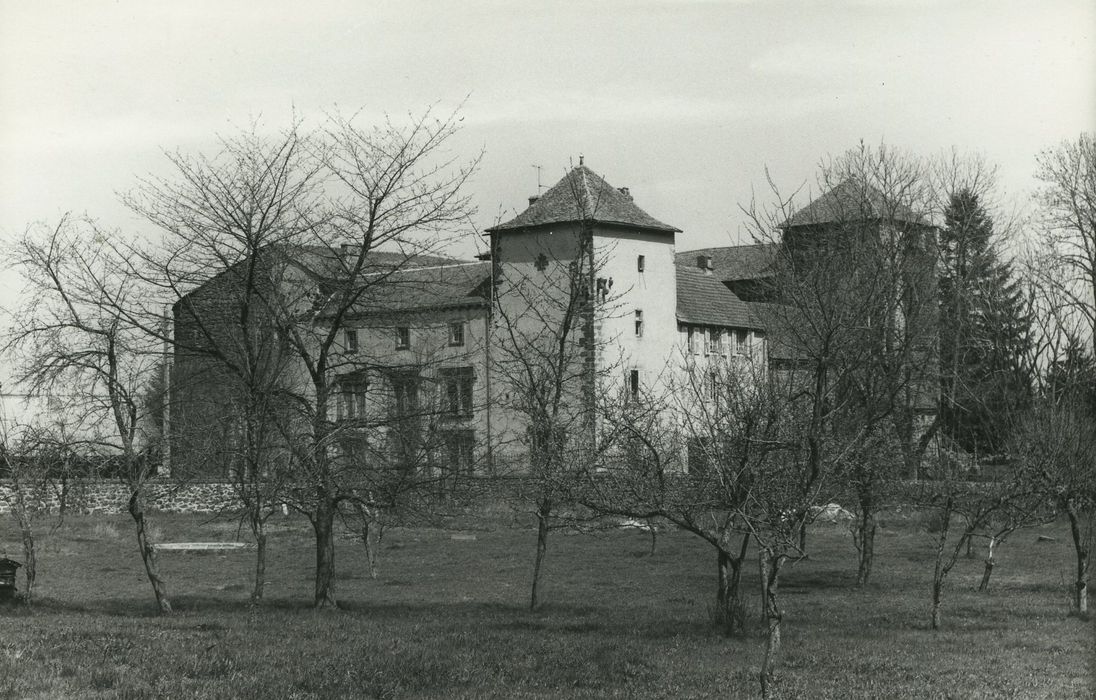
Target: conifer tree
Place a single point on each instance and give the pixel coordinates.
(982, 331)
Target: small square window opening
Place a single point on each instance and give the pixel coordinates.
(403, 337)
(456, 333)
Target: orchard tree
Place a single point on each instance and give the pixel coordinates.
(854, 320)
(690, 457)
(300, 230)
(71, 338)
(1068, 199)
(543, 351)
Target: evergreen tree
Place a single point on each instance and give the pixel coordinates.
(983, 331)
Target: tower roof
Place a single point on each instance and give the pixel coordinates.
(583, 195)
(853, 201)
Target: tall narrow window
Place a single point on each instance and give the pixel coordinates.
(633, 383)
(456, 333)
(715, 342)
(350, 339)
(352, 393)
(691, 332)
(403, 338)
(641, 262)
(456, 397)
(639, 323)
(741, 339)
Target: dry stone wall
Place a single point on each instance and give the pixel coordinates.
(87, 496)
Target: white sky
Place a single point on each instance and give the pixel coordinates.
(684, 101)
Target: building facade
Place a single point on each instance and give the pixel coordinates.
(582, 292)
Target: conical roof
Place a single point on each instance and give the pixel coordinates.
(583, 195)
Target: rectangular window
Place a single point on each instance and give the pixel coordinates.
(460, 451)
(403, 338)
(405, 395)
(456, 395)
(350, 339)
(639, 323)
(641, 262)
(456, 333)
(715, 342)
(352, 393)
(742, 345)
(633, 383)
(691, 333)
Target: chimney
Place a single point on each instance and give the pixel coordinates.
(704, 262)
(624, 191)
(533, 199)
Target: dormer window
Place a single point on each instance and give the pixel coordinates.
(350, 339)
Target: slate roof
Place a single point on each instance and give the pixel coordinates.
(853, 201)
(774, 320)
(703, 299)
(450, 285)
(582, 191)
(737, 262)
(322, 259)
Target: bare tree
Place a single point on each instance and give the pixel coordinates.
(690, 457)
(1068, 200)
(963, 509)
(30, 462)
(1058, 442)
(543, 361)
(70, 334)
(854, 291)
(302, 231)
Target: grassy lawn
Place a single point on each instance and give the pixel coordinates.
(446, 618)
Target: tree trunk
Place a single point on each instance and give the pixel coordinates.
(770, 567)
(865, 544)
(937, 590)
(148, 551)
(1080, 598)
(323, 524)
(653, 532)
(729, 612)
(940, 571)
(988, 571)
(260, 562)
(30, 560)
(542, 549)
(371, 539)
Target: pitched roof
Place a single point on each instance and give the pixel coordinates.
(775, 320)
(703, 299)
(850, 201)
(737, 262)
(430, 287)
(581, 195)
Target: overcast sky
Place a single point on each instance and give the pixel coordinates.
(684, 101)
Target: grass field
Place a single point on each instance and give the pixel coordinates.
(446, 618)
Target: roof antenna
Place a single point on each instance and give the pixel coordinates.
(539, 186)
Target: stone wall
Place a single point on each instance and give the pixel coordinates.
(93, 496)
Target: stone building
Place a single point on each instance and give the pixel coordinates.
(429, 358)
